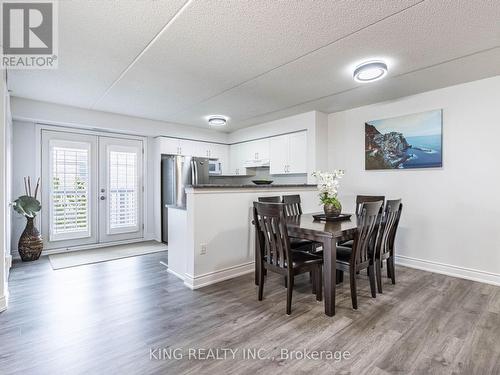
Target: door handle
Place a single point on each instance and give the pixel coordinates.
(102, 197)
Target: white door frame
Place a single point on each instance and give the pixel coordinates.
(60, 128)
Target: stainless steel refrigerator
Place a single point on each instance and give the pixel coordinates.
(177, 172)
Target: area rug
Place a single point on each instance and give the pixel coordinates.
(104, 254)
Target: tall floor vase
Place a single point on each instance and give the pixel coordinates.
(30, 243)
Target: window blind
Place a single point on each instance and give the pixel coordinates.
(123, 194)
(70, 195)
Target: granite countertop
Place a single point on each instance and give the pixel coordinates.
(248, 186)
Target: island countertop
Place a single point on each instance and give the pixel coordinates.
(248, 186)
(212, 240)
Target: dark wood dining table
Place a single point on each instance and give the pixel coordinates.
(329, 233)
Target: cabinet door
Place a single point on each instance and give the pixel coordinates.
(278, 154)
(192, 148)
(260, 149)
(169, 146)
(297, 153)
(218, 151)
(248, 150)
(237, 157)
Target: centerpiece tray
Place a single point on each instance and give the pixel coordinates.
(323, 217)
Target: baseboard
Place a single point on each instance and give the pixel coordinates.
(218, 276)
(8, 261)
(176, 274)
(449, 270)
(3, 303)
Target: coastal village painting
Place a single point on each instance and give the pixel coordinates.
(411, 141)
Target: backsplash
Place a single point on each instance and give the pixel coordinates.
(260, 174)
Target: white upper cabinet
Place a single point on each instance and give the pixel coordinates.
(218, 151)
(288, 153)
(297, 153)
(175, 146)
(237, 158)
(191, 148)
(256, 150)
(170, 146)
(278, 156)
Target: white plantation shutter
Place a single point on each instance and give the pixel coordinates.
(69, 185)
(123, 191)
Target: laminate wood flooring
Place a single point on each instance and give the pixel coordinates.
(127, 316)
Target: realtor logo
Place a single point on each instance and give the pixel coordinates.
(29, 31)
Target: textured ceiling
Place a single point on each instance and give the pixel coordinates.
(258, 60)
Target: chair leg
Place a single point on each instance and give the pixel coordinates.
(340, 276)
(393, 272)
(261, 282)
(389, 275)
(354, 297)
(286, 282)
(257, 273)
(371, 276)
(289, 291)
(313, 279)
(379, 275)
(319, 285)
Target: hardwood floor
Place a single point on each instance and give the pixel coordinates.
(105, 318)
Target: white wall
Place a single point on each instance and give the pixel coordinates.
(28, 112)
(56, 114)
(450, 222)
(4, 113)
(24, 159)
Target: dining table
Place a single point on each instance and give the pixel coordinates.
(329, 233)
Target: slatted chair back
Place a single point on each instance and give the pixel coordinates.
(274, 199)
(273, 234)
(388, 226)
(368, 221)
(293, 205)
(360, 199)
(392, 235)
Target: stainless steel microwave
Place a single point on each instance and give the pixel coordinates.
(214, 167)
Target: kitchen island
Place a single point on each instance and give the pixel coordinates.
(213, 239)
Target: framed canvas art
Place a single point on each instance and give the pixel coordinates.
(405, 142)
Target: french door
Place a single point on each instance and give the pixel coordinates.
(92, 189)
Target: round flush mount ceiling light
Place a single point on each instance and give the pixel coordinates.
(370, 71)
(217, 120)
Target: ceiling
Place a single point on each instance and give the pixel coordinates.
(259, 60)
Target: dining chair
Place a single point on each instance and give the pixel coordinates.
(293, 207)
(293, 204)
(276, 254)
(361, 256)
(385, 241)
(360, 199)
(274, 199)
(297, 244)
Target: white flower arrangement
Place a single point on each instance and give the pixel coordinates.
(328, 185)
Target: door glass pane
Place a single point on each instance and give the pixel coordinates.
(123, 194)
(70, 200)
